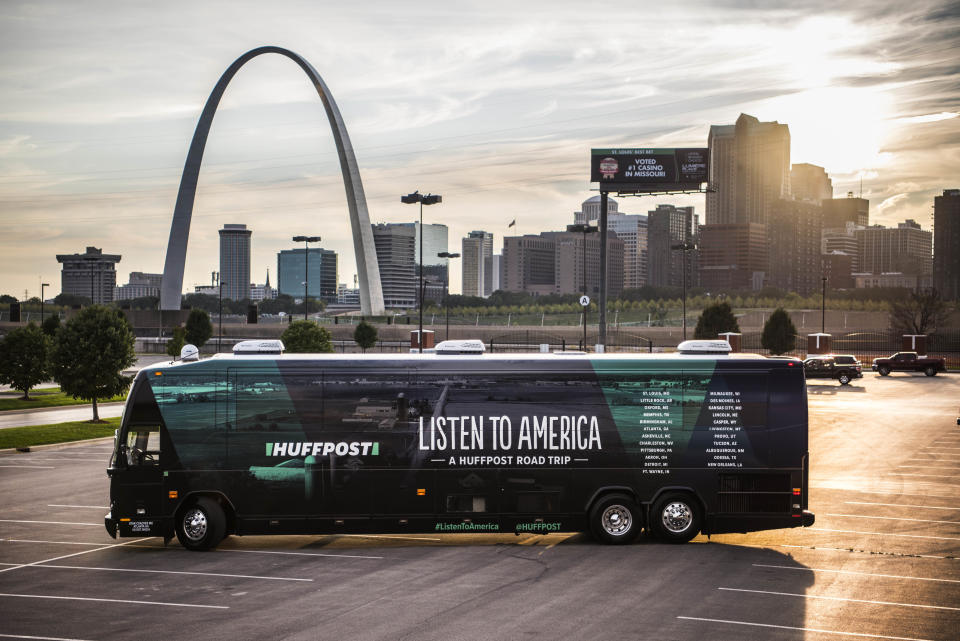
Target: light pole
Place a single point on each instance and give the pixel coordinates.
(220, 284)
(446, 288)
(823, 305)
(306, 240)
(685, 246)
(423, 199)
(42, 285)
(584, 229)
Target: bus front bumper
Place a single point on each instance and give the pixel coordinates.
(111, 524)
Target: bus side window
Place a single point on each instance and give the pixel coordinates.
(143, 446)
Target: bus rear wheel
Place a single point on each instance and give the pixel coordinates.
(201, 524)
(615, 519)
(675, 518)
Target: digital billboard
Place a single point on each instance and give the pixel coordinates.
(649, 169)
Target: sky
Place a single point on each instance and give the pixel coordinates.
(494, 105)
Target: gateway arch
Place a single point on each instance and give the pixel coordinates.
(371, 293)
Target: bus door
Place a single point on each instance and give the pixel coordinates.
(136, 488)
(376, 415)
(454, 410)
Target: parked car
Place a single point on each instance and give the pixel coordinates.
(909, 362)
(842, 367)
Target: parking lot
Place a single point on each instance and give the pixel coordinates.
(881, 562)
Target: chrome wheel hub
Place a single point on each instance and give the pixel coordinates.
(195, 524)
(677, 517)
(616, 520)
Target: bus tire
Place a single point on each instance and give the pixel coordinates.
(615, 519)
(675, 518)
(201, 524)
(930, 371)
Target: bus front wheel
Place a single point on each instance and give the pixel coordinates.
(616, 519)
(201, 524)
(675, 518)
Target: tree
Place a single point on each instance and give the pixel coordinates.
(25, 358)
(177, 341)
(921, 313)
(199, 329)
(51, 325)
(715, 319)
(69, 300)
(91, 351)
(365, 335)
(779, 333)
(7, 298)
(306, 337)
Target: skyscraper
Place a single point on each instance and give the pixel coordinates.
(905, 249)
(749, 170)
(810, 183)
(92, 274)
(837, 212)
(292, 268)
(668, 225)
(396, 244)
(476, 248)
(235, 261)
(435, 269)
(794, 235)
(946, 244)
(733, 257)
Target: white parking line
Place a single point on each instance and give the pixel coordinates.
(891, 518)
(934, 447)
(389, 536)
(344, 556)
(67, 556)
(790, 627)
(52, 542)
(24, 636)
(912, 536)
(930, 496)
(824, 548)
(31, 467)
(62, 458)
(923, 507)
(49, 522)
(231, 576)
(86, 598)
(837, 598)
(936, 476)
(932, 467)
(874, 574)
(92, 507)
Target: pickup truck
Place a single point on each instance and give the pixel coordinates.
(909, 362)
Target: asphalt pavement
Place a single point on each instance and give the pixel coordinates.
(881, 562)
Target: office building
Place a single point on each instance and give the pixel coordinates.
(667, 226)
(905, 249)
(589, 212)
(435, 269)
(749, 170)
(91, 274)
(396, 248)
(573, 277)
(293, 266)
(946, 244)
(837, 212)
(493, 272)
(235, 261)
(630, 228)
(810, 183)
(794, 237)
(837, 267)
(733, 257)
(140, 285)
(529, 264)
(476, 248)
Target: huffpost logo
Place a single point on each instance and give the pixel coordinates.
(324, 448)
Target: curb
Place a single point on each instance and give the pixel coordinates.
(51, 446)
(34, 410)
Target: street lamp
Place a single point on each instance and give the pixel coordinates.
(685, 246)
(584, 229)
(306, 240)
(42, 285)
(823, 305)
(220, 284)
(446, 288)
(423, 199)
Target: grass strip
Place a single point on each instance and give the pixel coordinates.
(56, 433)
(51, 397)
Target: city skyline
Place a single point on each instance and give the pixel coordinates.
(498, 115)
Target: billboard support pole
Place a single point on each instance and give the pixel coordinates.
(603, 268)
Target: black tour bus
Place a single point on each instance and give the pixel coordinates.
(271, 443)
